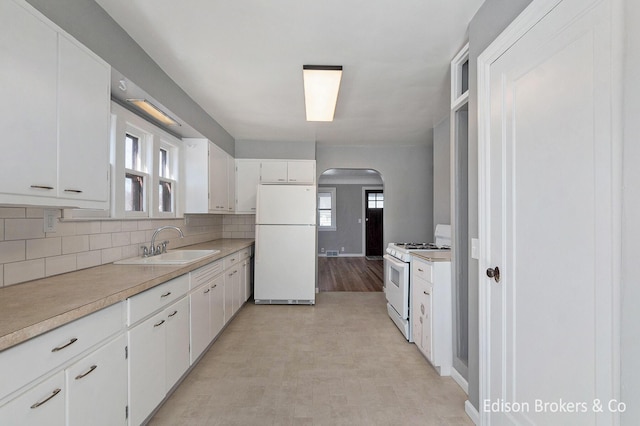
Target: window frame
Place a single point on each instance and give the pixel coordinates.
(173, 157)
(332, 192)
(144, 140)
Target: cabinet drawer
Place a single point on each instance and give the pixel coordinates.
(23, 363)
(205, 274)
(43, 404)
(423, 270)
(146, 303)
(231, 260)
(245, 253)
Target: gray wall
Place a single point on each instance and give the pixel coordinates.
(630, 324)
(407, 173)
(276, 150)
(490, 20)
(348, 210)
(93, 27)
(442, 173)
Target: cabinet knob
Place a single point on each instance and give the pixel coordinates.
(494, 273)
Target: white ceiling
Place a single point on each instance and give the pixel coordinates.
(242, 62)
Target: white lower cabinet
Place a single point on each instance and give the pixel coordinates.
(431, 311)
(158, 357)
(43, 404)
(97, 386)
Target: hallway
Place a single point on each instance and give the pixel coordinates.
(350, 274)
(340, 362)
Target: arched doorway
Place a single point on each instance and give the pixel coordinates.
(350, 230)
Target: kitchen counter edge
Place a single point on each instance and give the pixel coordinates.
(33, 308)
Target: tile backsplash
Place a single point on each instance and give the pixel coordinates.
(28, 253)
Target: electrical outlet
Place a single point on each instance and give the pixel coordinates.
(342, 249)
(322, 250)
(50, 219)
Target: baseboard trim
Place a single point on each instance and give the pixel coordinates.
(455, 375)
(472, 412)
(342, 255)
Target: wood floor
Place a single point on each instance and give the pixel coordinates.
(350, 274)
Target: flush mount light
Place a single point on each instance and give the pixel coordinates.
(321, 85)
(153, 111)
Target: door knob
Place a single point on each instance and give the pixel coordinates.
(494, 273)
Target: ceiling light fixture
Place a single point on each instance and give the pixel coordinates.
(153, 111)
(321, 85)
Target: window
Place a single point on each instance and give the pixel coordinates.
(327, 209)
(166, 177)
(375, 200)
(134, 175)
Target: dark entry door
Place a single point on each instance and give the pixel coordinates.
(374, 200)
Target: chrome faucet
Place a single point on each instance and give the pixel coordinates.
(153, 250)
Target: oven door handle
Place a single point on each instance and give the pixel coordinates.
(394, 261)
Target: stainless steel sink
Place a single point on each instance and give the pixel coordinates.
(174, 257)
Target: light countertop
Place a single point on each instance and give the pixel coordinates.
(33, 308)
(433, 256)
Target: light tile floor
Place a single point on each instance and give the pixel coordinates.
(340, 362)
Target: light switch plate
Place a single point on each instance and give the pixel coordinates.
(50, 219)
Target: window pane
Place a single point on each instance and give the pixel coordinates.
(132, 152)
(164, 197)
(324, 200)
(133, 193)
(164, 163)
(325, 217)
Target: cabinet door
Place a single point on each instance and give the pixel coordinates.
(425, 310)
(273, 172)
(146, 367)
(97, 386)
(247, 180)
(28, 72)
(177, 341)
(231, 183)
(83, 120)
(301, 171)
(217, 303)
(229, 284)
(200, 321)
(218, 179)
(43, 404)
(416, 317)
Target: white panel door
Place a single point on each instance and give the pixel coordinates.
(285, 263)
(286, 204)
(177, 341)
(547, 174)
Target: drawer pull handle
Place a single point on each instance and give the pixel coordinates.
(207, 291)
(166, 294)
(159, 324)
(75, 191)
(89, 371)
(173, 314)
(41, 187)
(44, 401)
(215, 285)
(420, 270)
(69, 343)
(425, 292)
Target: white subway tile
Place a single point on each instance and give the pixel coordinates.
(44, 247)
(12, 212)
(1, 275)
(138, 237)
(1, 229)
(110, 226)
(130, 251)
(90, 227)
(19, 272)
(34, 212)
(60, 264)
(23, 229)
(75, 244)
(12, 251)
(89, 259)
(129, 225)
(111, 255)
(99, 241)
(64, 229)
(120, 239)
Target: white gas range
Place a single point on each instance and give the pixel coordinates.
(397, 282)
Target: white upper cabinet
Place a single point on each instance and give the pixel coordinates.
(293, 172)
(247, 180)
(28, 97)
(84, 110)
(55, 104)
(209, 174)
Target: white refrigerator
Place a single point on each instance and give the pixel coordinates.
(285, 258)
